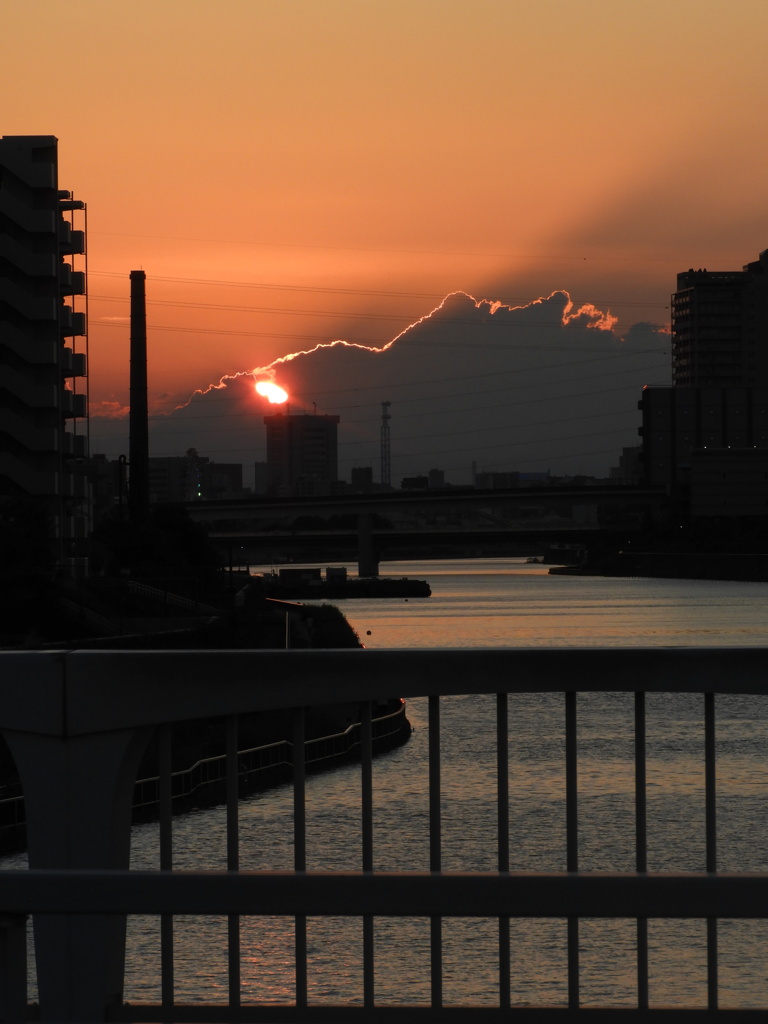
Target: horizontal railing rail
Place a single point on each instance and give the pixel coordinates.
(92, 702)
(172, 600)
(253, 762)
(521, 894)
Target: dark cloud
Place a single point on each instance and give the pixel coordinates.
(535, 387)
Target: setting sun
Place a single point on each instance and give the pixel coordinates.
(274, 394)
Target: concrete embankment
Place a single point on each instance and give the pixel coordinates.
(265, 759)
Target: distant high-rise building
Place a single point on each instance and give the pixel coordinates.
(43, 345)
(720, 327)
(175, 478)
(719, 397)
(677, 422)
(222, 480)
(361, 479)
(192, 477)
(260, 478)
(302, 453)
(497, 481)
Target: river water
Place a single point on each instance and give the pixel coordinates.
(507, 603)
(512, 603)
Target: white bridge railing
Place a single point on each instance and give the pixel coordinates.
(77, 724)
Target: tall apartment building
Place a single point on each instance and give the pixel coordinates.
(716, 413)
(302, 454)
(43, 341)
(720, 327)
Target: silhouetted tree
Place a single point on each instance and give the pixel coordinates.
(170, 544)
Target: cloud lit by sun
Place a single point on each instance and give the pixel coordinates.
(274, 394)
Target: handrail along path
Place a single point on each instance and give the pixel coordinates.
(77, 724)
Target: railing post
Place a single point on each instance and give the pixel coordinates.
(366, 782)
(300, 847)
(435, 849)
(572, 839)
(710, 786)
(165, 766)
(502, 810)
(78, 793)
(641, 842)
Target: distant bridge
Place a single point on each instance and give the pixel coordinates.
(425, 520)
(387, 503)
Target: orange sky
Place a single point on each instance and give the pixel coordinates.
(291, 171)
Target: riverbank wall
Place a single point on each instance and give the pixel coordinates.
(201, 782)
(674, 565)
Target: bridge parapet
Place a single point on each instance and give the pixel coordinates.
(77, 722)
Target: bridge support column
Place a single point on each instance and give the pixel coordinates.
(78, 793)
(367, 558)
(13, 967)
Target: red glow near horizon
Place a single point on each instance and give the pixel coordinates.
(274, 394)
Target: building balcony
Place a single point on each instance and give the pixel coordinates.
(25, 258)
(36, 475)
(71, 282)
(73, 364)
(35, 387)
(71, 243)
(28, 305)
(72, 324)
(44, 350)
(27, 217)
(23, 430)
(74, 446)
(73, 406)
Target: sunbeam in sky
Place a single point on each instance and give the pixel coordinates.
(342, 167)
(541, 386)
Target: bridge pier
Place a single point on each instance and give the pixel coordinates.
(367, 557)
(78, 792)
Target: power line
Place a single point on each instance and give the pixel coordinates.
(559, 257)
(218, 397)
(332, 290)
(276, 286)
(431, 453)
(415, 341)
(539, 461)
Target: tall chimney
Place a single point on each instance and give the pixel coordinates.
(386, 473)
(138, 449)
